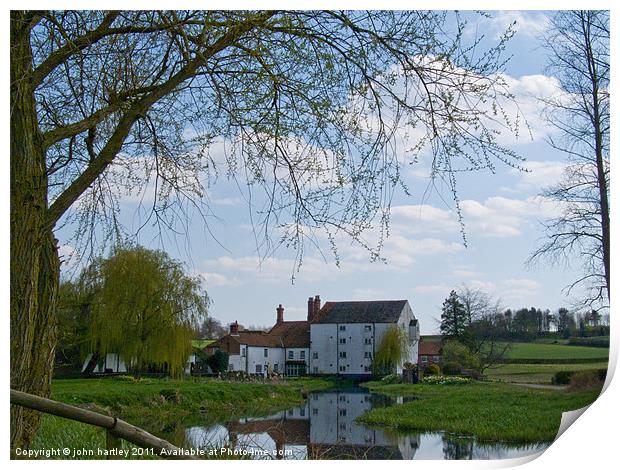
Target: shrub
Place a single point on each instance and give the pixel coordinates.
(585, 380)
(456, 352)
(409, 366)
(562, 377)
(218, 362)
(451, 368)
(433, 369)
(392, 379)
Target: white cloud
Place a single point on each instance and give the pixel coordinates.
(541, 174)
(217, 280)
(495, 217)
(527, 23)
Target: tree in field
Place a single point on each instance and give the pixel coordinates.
(485, 330)
(210, 328)
(454, 317)
(565, 321)
(312, 108)
(578, 45)
(143, 307)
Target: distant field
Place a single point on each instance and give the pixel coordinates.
(535, 373)
(555, 351)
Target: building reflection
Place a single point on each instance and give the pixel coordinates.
(324, 427)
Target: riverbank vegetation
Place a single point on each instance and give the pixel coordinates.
(488, 411)
(164, 406)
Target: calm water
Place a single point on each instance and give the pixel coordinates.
(325, 428)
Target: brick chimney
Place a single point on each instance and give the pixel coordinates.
(234, 328)
(317, 305)
(310, 308)
(280, 316)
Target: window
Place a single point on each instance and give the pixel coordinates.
(343, 341)
(343, 426)
(367, 341)
(367, 328)
(291, 354)
(368, 355)
(315, 370)
(342, 369)
(302, 354)
(315, 411)
(302, 412)
(243, 351)
(436, 358)
(342, 328)
(259, 368)
(266, 352)
(343, 354)
(424, 358)
(315, 355)
(231, 367)
(290, 412)
(342, 398)
(342, 411)
(275, 367)
(366, 368)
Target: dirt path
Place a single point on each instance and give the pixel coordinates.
(541, 386)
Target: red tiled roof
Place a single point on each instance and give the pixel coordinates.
(292, 334)
(288, 334)
(429, 348)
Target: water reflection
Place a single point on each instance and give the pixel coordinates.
(325, 428)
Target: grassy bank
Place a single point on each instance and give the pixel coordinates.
(547, 352)
(488, 411)
(535, 373)
(164, 407)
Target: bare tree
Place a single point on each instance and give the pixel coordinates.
(309, 105)
(578, 44)
(484, 334)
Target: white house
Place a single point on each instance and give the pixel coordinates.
(284, 349)
(344, 336)
(339, 338)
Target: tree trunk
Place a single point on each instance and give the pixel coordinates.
(35, 265)
(92, 363)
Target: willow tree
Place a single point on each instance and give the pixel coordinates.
(393, 350)
(144, 307)
(317, 111)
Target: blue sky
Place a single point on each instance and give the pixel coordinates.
(426, 257)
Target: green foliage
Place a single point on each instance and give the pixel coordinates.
(218, 362)
(456, 353)
(433, 369)
(454, 317)
(489, 411)
(562, 377)
(451, 368)
(143, 306)
(392, 351)
(392, 379)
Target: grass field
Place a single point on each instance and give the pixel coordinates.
(555, 351)
(489, 411)
(535, 373)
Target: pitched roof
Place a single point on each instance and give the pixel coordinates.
(372, 311)
(429, 348)
(292, 334)
(288, 334)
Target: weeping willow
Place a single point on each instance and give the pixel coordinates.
(392, 351)
(144, 307)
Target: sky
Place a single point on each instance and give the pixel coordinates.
(425, 254)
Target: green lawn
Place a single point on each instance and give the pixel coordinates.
(535, 373)
(488, 411)
(555, 351)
